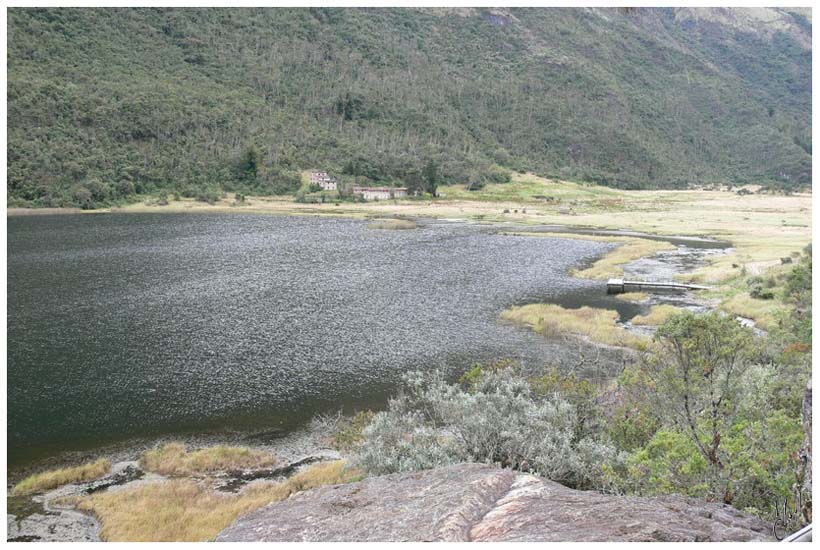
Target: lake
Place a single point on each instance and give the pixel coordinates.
(135, 325)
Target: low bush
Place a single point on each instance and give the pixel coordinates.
(499, 421)
(348, 433)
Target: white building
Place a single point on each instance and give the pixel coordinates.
(323, 180)
(380, 193)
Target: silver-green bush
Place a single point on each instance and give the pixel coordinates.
(499, 420)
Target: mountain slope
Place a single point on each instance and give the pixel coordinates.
(104, 103)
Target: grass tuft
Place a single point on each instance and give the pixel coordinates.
(52, 479)
(612, 264)
(599, 325)
(656, 316)
(174, 459)
(184, 510)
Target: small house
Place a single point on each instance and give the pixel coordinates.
(380, 193)
(323, 180)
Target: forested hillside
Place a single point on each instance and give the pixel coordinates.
(107, 103)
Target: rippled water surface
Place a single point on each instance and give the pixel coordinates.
(146, 324)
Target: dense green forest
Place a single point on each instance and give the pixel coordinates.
(105, 104)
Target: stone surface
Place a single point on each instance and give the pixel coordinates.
(52, 526)
(473, 502)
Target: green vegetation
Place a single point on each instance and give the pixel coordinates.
(185, 510)
(349, 433)
(52, 479)
(174, 459)
(656, 316)
(599, 325)
(106, 106)
(499, 420)
(710, 410)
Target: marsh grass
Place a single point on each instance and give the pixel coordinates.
(392, 224)
(656, 316)
(174, 459)
(599, 325)
(184, 510)
(52, 479)
(611, 265)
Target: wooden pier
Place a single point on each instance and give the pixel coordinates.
(619, 286)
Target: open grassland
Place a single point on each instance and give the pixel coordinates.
(598, 325)
(186, 510)
(656, 316)
(52, 479)
(174, 459)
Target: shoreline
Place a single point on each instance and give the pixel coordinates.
(533, 219)
(128, 449)
(296, 449)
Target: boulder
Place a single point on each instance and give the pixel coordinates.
(476, 502)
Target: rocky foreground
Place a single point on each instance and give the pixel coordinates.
(473, 502)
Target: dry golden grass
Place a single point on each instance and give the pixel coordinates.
(45, 481)
(599, 325)
(392, 224)
(184, 510)
(656, 316)
(612, 264)
(175, 459)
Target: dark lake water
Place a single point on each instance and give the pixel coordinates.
(133, 325)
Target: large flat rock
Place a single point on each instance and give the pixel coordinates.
(476, 502)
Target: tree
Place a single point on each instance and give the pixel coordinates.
(413, 181)
(697, 376)
(430, 175)
(249, 165)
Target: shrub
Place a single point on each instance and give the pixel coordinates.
(207, 195)
(499, 421)
(759, 288)
(348, 434)
(497, 174)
